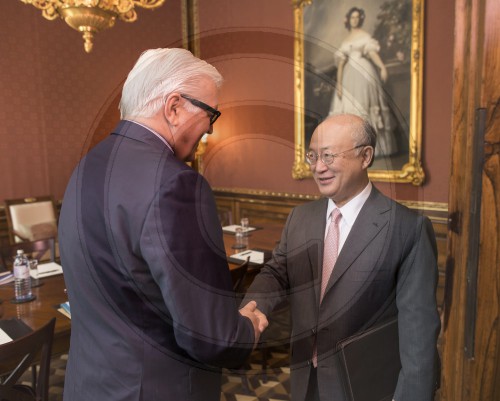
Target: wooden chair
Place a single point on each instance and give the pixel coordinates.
(277, 335)
(238, 275)
(31, 219)
(225, 217)
(21, 354)
(44, 250)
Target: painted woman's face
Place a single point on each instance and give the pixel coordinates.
(354, 19)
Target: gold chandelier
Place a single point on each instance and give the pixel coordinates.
(91, 16)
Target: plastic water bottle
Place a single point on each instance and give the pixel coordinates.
(22, 279)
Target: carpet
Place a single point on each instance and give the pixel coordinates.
(253, 384)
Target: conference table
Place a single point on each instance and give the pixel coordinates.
(49, 295)
(263, 239)
(52, 292)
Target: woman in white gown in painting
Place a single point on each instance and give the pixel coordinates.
(359, 84)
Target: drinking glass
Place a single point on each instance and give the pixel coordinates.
(244, 224)
(240, 242)
(35, 281)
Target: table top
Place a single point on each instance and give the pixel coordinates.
(262, 239)
(52, 291)
(38, 312)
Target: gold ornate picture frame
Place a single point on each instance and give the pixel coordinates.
(190, 26)
(396, 27)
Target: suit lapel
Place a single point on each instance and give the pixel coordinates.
(371, 219)
(315, 233)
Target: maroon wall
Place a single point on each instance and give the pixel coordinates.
(54, 97)
(253, 144)
(51, 91)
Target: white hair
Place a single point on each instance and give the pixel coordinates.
(159, 72)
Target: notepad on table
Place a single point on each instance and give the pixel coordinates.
(6, 277)
(255, 256)
(4, 337)
(48, 269)
(65, 309)
(11, 329)
(232, 228)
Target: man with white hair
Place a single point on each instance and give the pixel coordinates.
(142, 249)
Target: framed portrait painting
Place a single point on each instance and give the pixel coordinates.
(362, 57)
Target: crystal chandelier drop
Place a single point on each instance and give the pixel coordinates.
(91, 16)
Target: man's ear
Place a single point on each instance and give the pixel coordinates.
(367, 154)
(172, 108)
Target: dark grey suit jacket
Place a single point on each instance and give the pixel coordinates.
(153, 313)
(387, 267)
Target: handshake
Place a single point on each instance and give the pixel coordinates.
(258, 319)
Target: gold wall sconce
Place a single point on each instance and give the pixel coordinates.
(91, 16)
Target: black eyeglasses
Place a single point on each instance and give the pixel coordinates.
(213, 113)
(326, 156)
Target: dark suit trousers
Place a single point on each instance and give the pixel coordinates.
(312, 388)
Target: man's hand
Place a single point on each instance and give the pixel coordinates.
(263, 323)
(258, 319)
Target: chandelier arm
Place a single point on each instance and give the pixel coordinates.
(91, 16)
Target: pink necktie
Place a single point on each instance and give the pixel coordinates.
(330, 253)
(331, 250)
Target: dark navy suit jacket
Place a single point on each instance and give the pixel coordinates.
(153, 313)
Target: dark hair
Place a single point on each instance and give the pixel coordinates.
(367, 135)
(361, 13)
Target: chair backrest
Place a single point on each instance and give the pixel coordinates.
(238, 276)
(225, 217)
(20, 355)
(31, 219)
(44, 250)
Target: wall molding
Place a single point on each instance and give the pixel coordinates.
(441, 207)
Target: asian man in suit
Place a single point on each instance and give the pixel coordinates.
(142, 249)
(349, 261)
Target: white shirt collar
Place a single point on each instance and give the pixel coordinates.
(155, 133)
(352, 208)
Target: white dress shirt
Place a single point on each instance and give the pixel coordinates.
(349, 213)
(154, 133)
